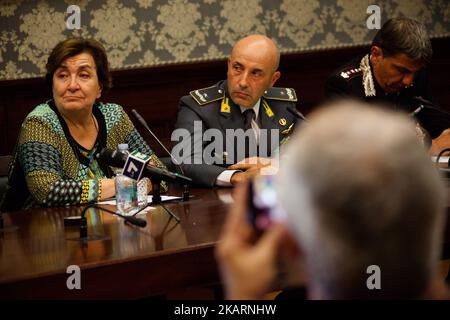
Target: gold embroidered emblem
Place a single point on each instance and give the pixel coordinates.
(267, 109)
(225, 107)
(288, 130)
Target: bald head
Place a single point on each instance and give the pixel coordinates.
(260, 47)
(252, 69)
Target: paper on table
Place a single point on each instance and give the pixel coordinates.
(149, 198)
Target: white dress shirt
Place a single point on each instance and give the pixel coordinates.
(224, 179)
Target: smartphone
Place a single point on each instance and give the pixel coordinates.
(263, 208)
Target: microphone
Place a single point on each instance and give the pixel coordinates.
(116, 159)
(141, 120)
(430, 116)
(297, 114)
(82, 222)
(135, 221)
(424, 103)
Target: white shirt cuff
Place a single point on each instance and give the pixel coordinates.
(224, 179)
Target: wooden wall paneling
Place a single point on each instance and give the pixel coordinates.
(3, 126)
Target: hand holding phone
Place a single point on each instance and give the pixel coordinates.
(263, 208)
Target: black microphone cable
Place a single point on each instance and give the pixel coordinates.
(445, 171)
(440, 155)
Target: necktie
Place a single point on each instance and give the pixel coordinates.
(249, 115)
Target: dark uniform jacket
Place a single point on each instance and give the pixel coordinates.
(347, 81)
(214, 109)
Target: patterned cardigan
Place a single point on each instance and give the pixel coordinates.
(48, 167)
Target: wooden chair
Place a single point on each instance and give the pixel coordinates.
(4, 165)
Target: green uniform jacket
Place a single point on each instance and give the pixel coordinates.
(214, 109)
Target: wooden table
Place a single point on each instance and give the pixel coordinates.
(134, 263)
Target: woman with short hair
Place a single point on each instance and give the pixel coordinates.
(54, 160)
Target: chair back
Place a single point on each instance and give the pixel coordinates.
(4, 165)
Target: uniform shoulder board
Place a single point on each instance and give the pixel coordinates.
(207, 95)
(350, 73)
(284, 94)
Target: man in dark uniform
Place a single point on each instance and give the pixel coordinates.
(244, 108)
(393, 73)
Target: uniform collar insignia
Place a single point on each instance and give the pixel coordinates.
(283, 94)
(206, 95)
(267, 109)
(288, 130)
(225, 106)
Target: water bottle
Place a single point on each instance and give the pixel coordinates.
(126, 188)
(121, 148)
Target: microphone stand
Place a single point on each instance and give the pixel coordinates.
(185, 194)
(156, 198)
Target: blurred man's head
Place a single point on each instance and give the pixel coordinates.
(252, 68)
(360, 190)
(399, 50)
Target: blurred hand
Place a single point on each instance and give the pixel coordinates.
(250, 167)
(248, 269)
(108, 188)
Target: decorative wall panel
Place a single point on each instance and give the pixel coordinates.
(145, 33)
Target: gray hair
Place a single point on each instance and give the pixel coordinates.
(404, 35)
(360, 190)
